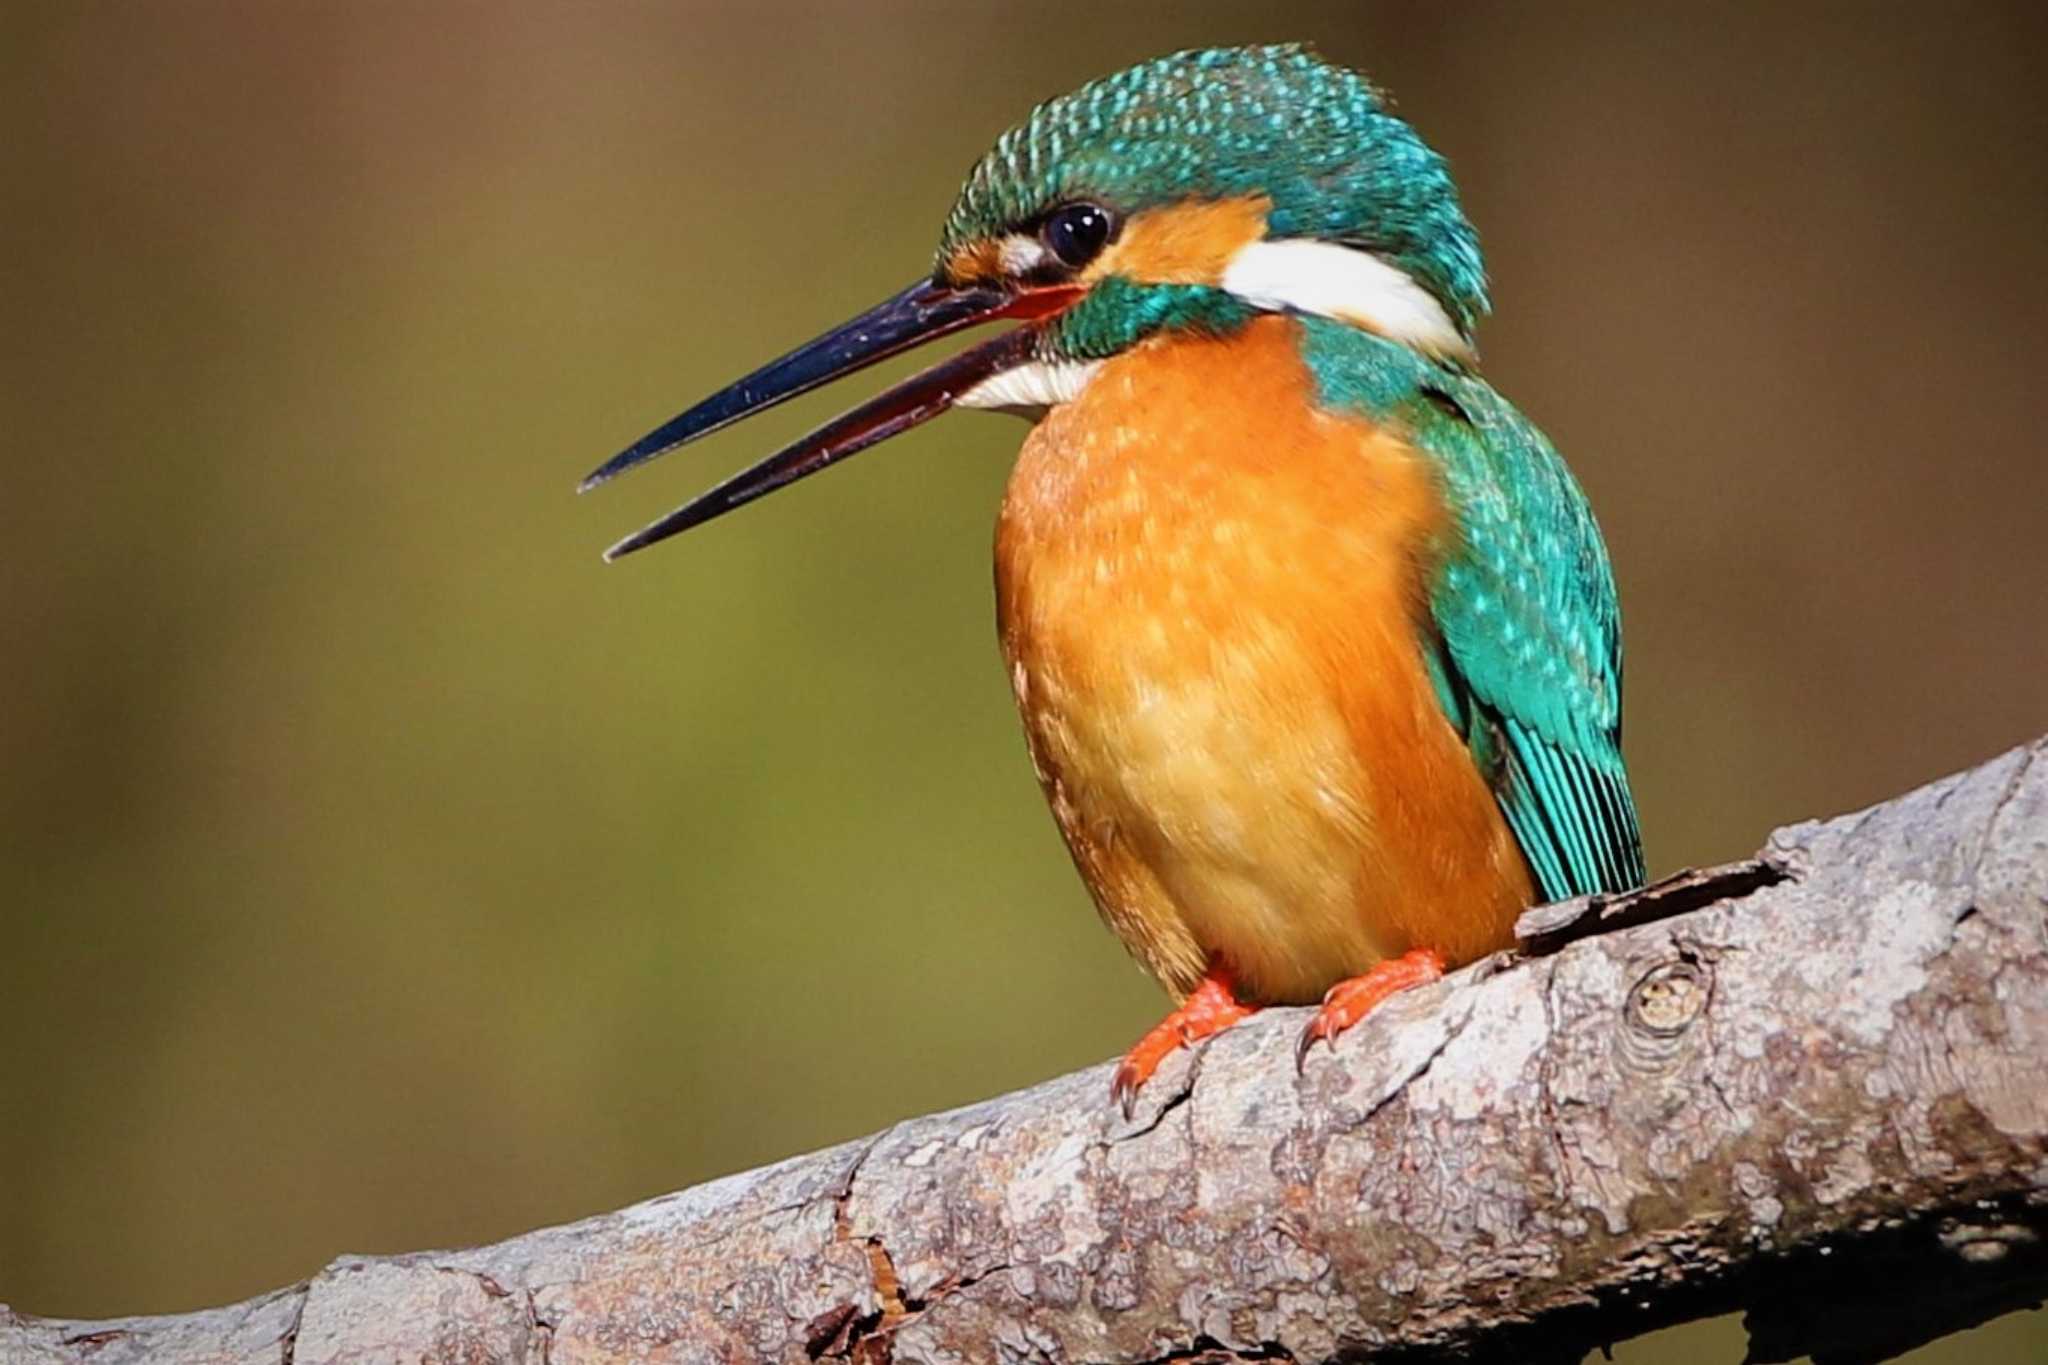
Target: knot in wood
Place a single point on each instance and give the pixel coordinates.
(1667, 998)
(1660, 1009)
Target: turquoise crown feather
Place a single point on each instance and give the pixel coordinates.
(1314, 138)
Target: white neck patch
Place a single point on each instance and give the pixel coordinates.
(1345, 283)
(1029, 389)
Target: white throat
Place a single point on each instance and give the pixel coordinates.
(1351, 285)
(1029, 389)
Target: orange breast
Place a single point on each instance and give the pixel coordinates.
(1211, 598)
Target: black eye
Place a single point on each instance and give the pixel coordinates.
(1075, 233)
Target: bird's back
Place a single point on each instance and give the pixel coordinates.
(1528, 660)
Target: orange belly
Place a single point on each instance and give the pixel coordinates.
(1211, 598)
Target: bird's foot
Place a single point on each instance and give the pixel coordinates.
(1350, 1001)
(1211, 1008)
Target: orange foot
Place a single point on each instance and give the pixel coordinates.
(1212, 1008)
(1350, 1001)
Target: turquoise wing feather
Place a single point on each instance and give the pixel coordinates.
(1527, 661)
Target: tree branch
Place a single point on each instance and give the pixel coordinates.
(1813, 1086)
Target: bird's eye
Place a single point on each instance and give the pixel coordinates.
(1076, 233)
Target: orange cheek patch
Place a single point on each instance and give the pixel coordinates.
(1189, 243)
(975, 262)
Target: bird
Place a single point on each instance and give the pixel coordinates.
(1314, 636)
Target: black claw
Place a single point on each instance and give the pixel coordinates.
(1301, 1047)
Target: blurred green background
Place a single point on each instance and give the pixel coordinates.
(378, 870)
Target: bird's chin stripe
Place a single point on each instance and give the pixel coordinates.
(1032, 387)
(1346, 283)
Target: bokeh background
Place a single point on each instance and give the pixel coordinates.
(378, 870)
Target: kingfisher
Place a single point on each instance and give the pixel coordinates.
(1314, 636)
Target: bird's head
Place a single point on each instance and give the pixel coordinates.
(1189, 193)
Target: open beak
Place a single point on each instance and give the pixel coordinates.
(924, 312)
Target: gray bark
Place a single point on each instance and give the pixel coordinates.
(1813, 1086)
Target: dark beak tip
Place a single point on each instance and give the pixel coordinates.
(924, 312)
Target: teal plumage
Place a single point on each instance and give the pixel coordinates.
(1117, 314)
(1529, 648)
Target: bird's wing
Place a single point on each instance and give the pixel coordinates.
(1528, 663)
